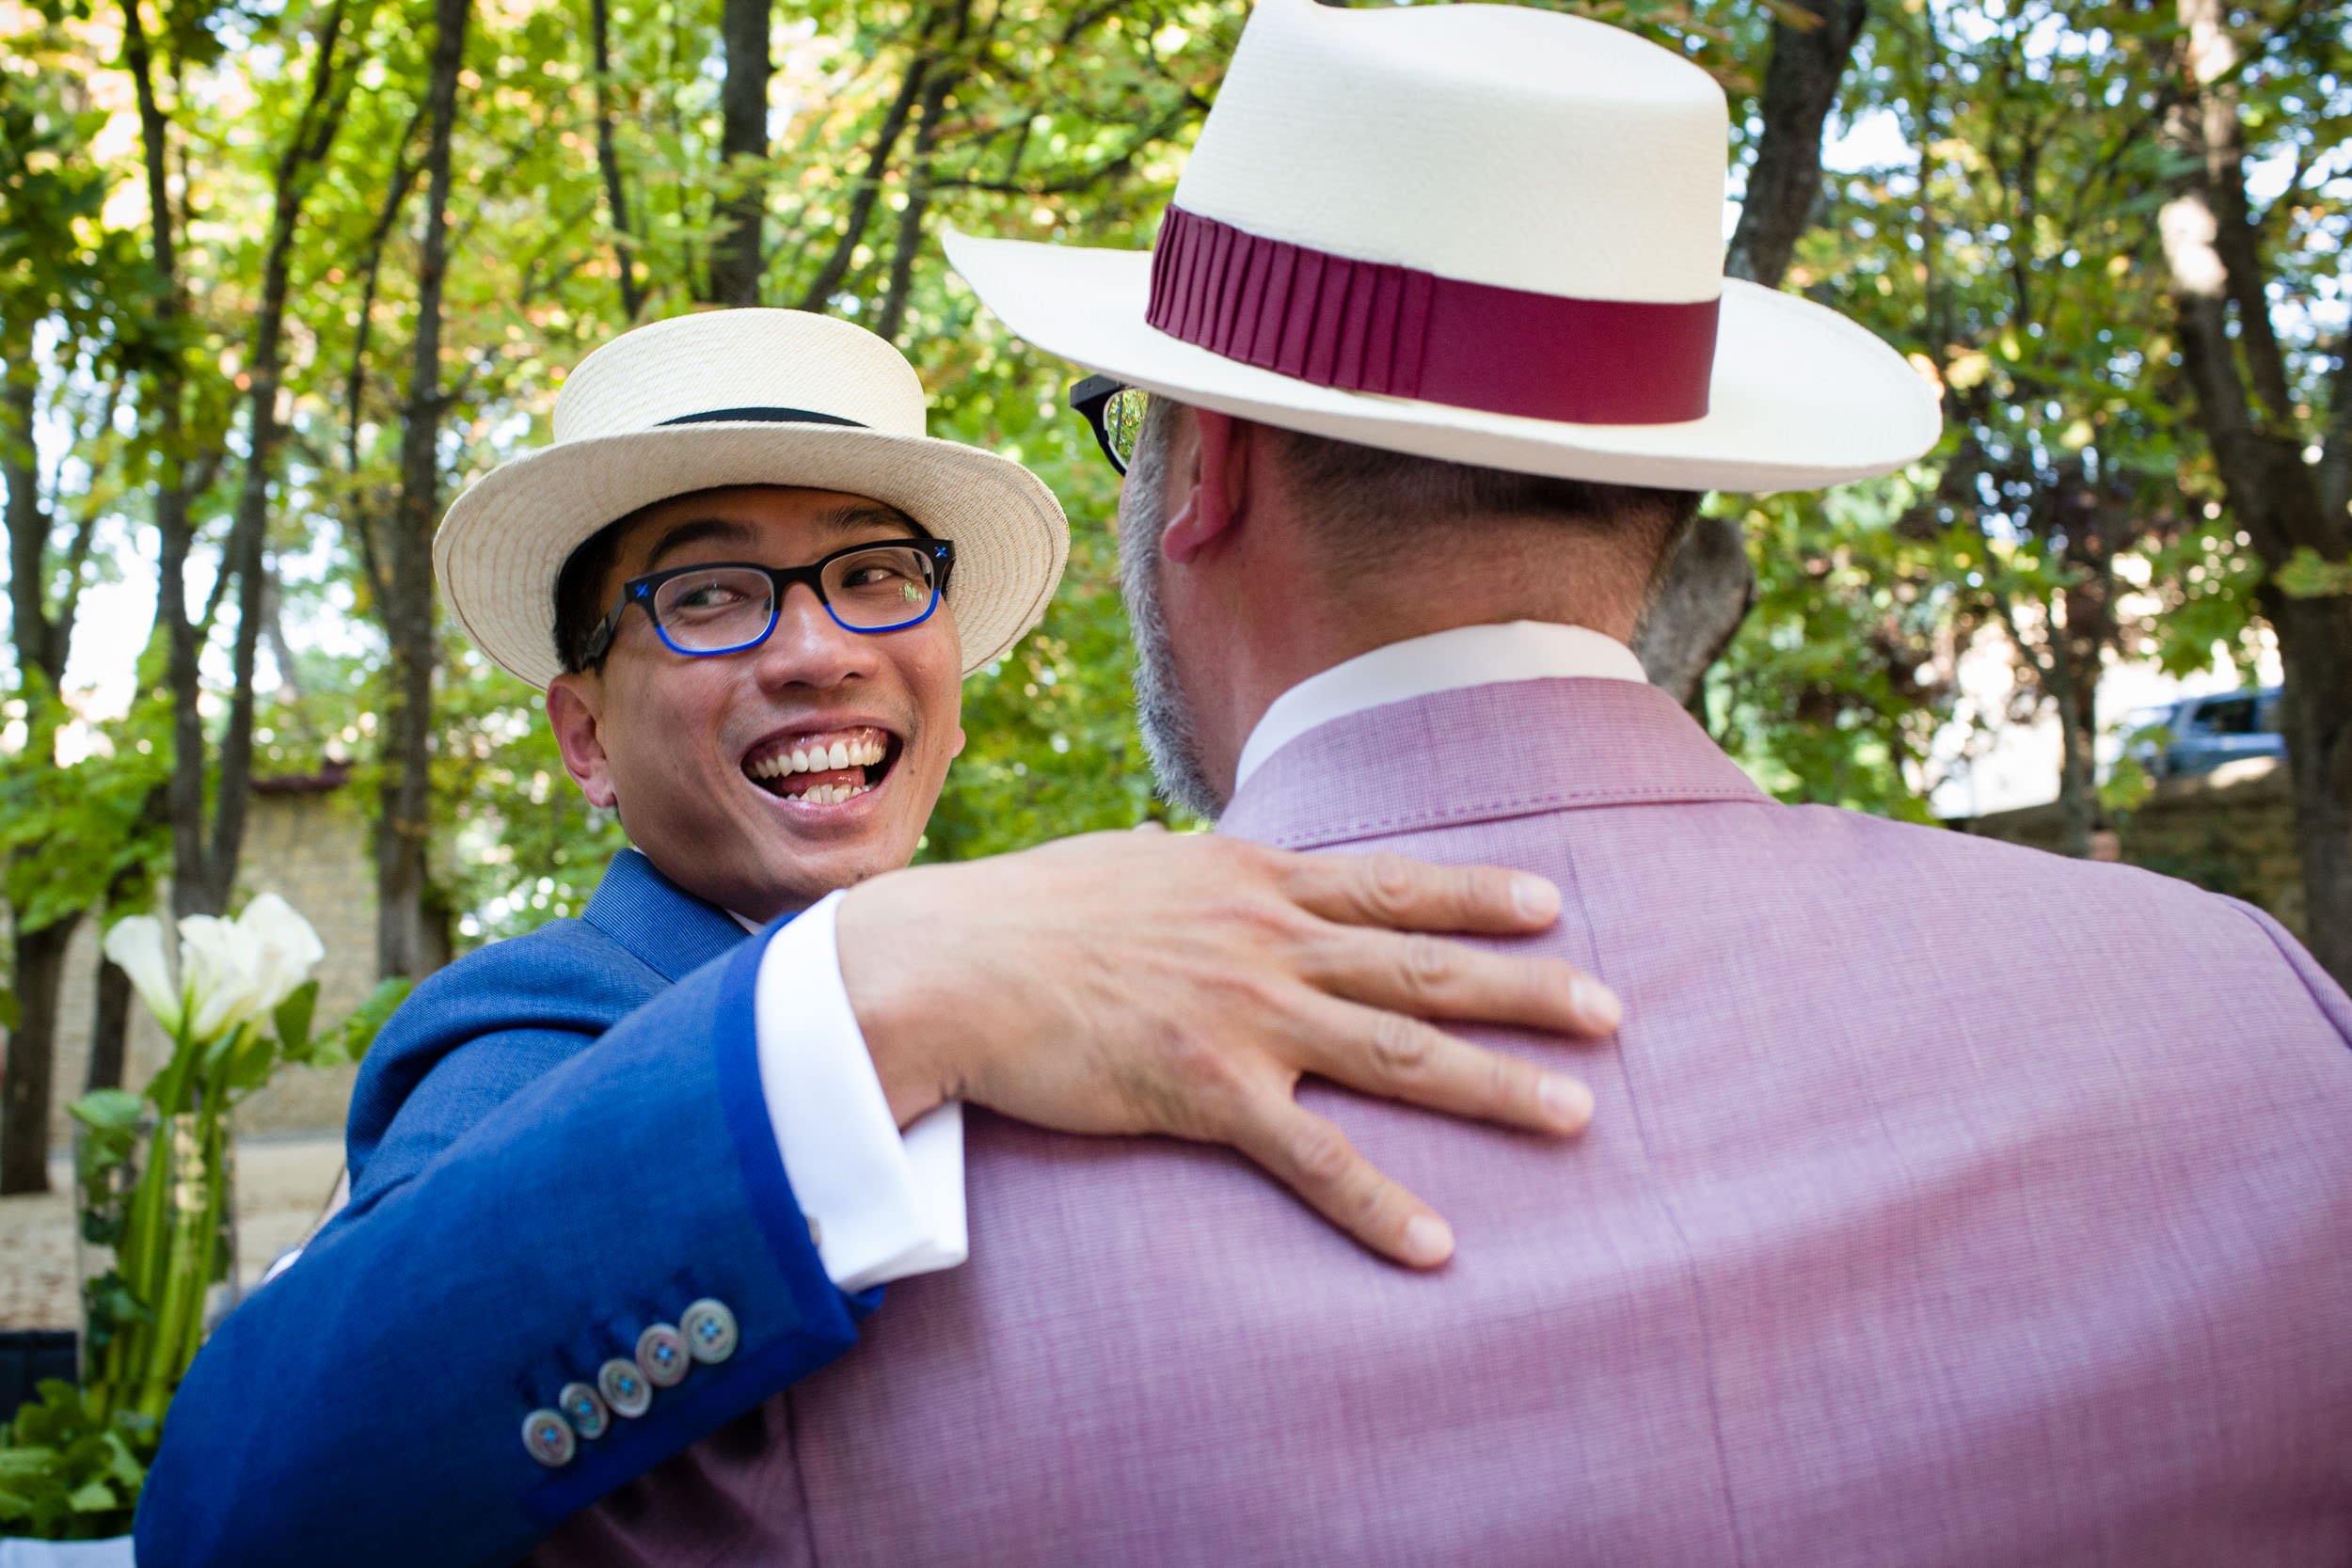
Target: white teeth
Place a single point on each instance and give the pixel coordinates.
(861, 752)
(826, 795)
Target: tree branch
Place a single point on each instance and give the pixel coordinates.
(395, 195)
(894, 125)
(1085, 180)
(76, 560)
(907, 240)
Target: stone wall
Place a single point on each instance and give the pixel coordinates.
(307, 841)
(2232, 831)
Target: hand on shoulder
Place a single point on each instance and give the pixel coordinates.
(1179, 984)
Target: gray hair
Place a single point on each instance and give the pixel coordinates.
(1170, 738)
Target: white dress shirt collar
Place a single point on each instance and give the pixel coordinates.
(1442, 661)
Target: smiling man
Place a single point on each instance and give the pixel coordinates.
(620, 1181)
(844, 780)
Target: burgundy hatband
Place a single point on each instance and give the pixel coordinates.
(1370, 327)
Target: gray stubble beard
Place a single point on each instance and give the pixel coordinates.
(1170, 738)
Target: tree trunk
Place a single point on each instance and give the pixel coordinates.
(1707, 590)
(1784, 181)
(1709, 585)
(175, 531)
(609, 158)
(2074, 690)
(306, 149)
(110, 1028)
(2315, 645)
(736, 261)
(40, 969)
(40, 659)
(404, 943)
(2215, 258)
(110, 1020)
(2075, 517)
(40, 646)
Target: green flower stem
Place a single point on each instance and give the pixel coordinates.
(145, 1248)
(169, 1253)
(139, 1257)
(192, 1258)
(215, 1263)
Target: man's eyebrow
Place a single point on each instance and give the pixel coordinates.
(694, 532)
(857, 517)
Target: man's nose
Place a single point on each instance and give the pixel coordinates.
(809, 647)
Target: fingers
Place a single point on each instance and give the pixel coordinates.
(1313, 1158)
(1428, 976)
(1409, 895)
(1405, 1059)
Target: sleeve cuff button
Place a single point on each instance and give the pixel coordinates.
(585, 1408)
(549, 1437)
(710, 1331)
(661, 1356)
(623, 1387)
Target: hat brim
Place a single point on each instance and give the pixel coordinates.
(1800, 397)
(503, 542)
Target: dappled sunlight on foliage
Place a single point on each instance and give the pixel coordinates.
(1995, 178)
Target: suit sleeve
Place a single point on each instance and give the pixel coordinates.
(542, 1197)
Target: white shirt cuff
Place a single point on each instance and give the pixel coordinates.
(881, 1206)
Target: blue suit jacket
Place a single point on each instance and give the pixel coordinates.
(556, 1142)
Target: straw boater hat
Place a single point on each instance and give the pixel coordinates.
(742, 397)
(1477, 232)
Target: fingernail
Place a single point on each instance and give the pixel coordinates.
(1595, 1003)
(1567, 1102)
(1428, 1240)
(1535, 899)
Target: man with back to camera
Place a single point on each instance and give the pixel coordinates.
(616, 1181)
(1946, 1203)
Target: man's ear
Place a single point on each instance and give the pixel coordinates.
(1219, 497)
(574, 712)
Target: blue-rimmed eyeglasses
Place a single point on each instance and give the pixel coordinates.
(1116, 411)
(726, 607)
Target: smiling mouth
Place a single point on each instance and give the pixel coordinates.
(824, 767)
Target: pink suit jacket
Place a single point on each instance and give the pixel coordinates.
(1946, 1203)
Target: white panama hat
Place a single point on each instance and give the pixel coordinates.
(742, 397)
(1478, 232)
